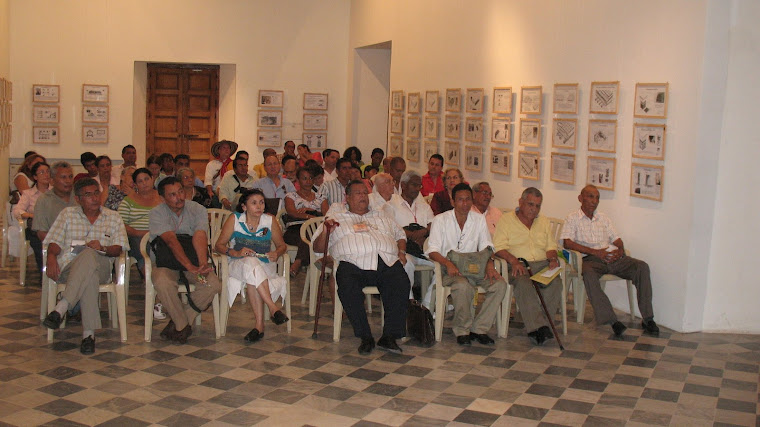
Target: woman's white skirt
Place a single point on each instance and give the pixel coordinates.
(251, 270)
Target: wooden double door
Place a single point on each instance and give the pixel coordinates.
(183, 111)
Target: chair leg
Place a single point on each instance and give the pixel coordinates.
(579, 296)
(440, 310)
(306, 285)
(506, 311)
(113, 309)
(150, 299)
(287, 307)
(337, 319)
(23, 256)
(368, 297)
(51, 302)
(563, 309)
(4, 258)
(44, 296)
(313, 289)
(217, 314)
(631, 299)
(121, 309)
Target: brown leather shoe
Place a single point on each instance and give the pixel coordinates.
(183, 335)
(169, 331)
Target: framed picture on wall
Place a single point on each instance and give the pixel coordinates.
(475, 101)
(395, 146)
(430, 148)
(602, 135)
(8, 90)
(473, 129)
(502, 100)
(397, 123)
(530, 132)
(431, 101)
(44, 93)
(315, 101)
(397, 100)
(271, 98)
(528, 165)
(413, 150)
(646, 181)
(270, 118)
(500, 162)
(563, 168)
(531, 99)
(451, 153)
(473, 158)
(601, 172)
(95, 134)
(501, 130)
(603, 97)
(413, 103)
(413, 127)
(452, 124)
(45, 134)
(95, 113)
(454, 100)
(565, 133)
(565, 98)
(316, 141)
(94, 93)
(269, 138)
(2, 89)
(314, 121)
(651, 100)
(431, 127)
(649, 141)
(45, 113)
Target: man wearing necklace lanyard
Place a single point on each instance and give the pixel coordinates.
(369, 249)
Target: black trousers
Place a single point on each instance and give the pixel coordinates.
(36, 245)
(393, 284)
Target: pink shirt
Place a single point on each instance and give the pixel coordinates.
(492, 215)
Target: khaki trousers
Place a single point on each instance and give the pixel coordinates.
(166, 282)
(83, 276)
(530, 306)
(462, 294)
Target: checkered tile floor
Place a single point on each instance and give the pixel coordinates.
(292, 379)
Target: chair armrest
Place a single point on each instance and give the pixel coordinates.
(120, 268)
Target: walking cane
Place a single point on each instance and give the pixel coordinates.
(543, 304)
(321, 283)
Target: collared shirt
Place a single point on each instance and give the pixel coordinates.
(213, 173)
(377, 202)
(259, 170)
(27, 202)
(445, 234)
(192, 218)
(596, 233)
(429, 186)
(72, 224)
(523, 242)
(229, 184)
(360, 239)
(334, 191)
(49, 205)
(419, 212)
(271, 191)
(492, 215)
(329, 176)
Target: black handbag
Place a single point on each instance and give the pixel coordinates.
(413, 248)
(165, 257)
(419, 324)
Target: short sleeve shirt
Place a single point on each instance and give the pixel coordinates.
(523, 242)
(48, 206)
(193, 217)
(595, 233)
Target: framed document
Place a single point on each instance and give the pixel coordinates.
(413, 101)
(430, 148)
(95, 113)
(501, 130)
(500, 163)
(454, 100)
(94, 134)
(314, 121)
(602, 135)
(474, 103)
(473, 129)
(601, 172)
(529, 165)
(397, 123)
(94, 93)
(269, 138)
(502, 100)
(451, 153)
(315, 141)
(397, 100)
(451, 125)
(431, 127)
(566, 98)
(412, 127)
(563, 168)
(44, 93)
(395, 146)
(646, 181)
(651, 100)
(604, 97)
(473, 158)
(45, 113)
(270, 118)
(413, 150)
(531, 99)
(315, 101)
(649, 141)
(530, 132)
(271, 98)
(431, 101)
(45, 134)
(565, 133)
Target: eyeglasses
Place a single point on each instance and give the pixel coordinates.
(485, 193)
(91, 194)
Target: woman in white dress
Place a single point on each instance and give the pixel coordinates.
(246, 238)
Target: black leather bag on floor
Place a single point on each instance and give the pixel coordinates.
(419, 324)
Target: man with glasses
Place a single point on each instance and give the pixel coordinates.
(82, 244)
(481, 203)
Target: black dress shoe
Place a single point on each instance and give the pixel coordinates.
(546, 332)
(481, 338)
(537, 337)
(53, 320)
(387, 343)
(253, 336)
(279, 317)
(169, 331)
(366, 346)
(464, 340)
(650, 328)
(618, 328)
(88, 345)
(182, 336)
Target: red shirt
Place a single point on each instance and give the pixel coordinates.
(430, 187)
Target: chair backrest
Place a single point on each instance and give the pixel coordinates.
(556, 225)
(309, 227)
(279, 215)
(216, 218)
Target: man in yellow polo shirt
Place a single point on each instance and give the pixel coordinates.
(524, 234)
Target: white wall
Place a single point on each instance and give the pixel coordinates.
(5, 68)
(369, 105)
(297, 46)
(439, 44)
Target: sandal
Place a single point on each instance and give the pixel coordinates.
(253, 336)
(279, 317)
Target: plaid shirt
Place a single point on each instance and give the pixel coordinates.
(72, 224)
(596, 233)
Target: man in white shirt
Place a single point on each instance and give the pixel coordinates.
(234, 183)
(335, 190)
(381, 194)
(330, 158)
(481, 203)
(591, 233)
(369, 249)
(464, 231)
(129, 154)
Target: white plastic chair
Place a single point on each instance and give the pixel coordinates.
(292, 250)
(216, 219)
(150, 296)
(23, 244)
(338, 310)
(117, 310)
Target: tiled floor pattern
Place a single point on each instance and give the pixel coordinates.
(293, 379)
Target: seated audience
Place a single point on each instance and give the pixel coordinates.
(233, 184)
(183, 161)
(523, 233)
(289, 165)
(591, 233)
(318, 176)
(432, 182)
(221, 164)
(304, 154)
(300, 206)
(88, 162)
(172, 218)
(193, 191)
(396, 169)
(242, 154)
(273, 185)
(335, 190)
(24, 209)
(355, 155)
(330, 159)
(50, 204)
(481, 203)
(376, 160)
(153, 164)
(441, 201)
(168, 166)
(259, 168)
(382, 192)
(110, 194)
(99, 236)
(252, 263)
(134, 210)
(461, 230)
(129, 154)
(23, 179)
(370, 250)
(290, 150)
(369, 172)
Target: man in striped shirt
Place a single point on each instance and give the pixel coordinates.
(370, 250)
(335, 190)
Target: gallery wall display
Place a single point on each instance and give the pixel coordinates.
(646, 181)
(563, 168)
(454, 100)
(94, 93)
(651, 100)
(431, 101)
(530, 132)
(95, 113)
(397, 100)
(314, 121)
(413, 150)
(501, 130)
(413, 103)
(601, 172)
(315, 141)
(271, 98)
(531, 99)
(602, 135)
(528, 165)
(396, 147)
(473, 129)
(46, 93)
(431, 127)
(564, 133)
(603, 97)
(648, 141)
(397, 123)
(94, 134)
(451, 153)
(315, 101)
(502, 100)
(430, 148)
(474, 104)
(270, 118)
(46, 113)
(6, 112)
(500, 163)
(452, 126)
(473, 158)
(45, 134)
(269, 138)
(565, 98)
(413, 126)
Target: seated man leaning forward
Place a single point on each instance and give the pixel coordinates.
(464, 231)
(370, 250)
(523, 233)
(591, 233)
(82, 244)
(174, 217)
